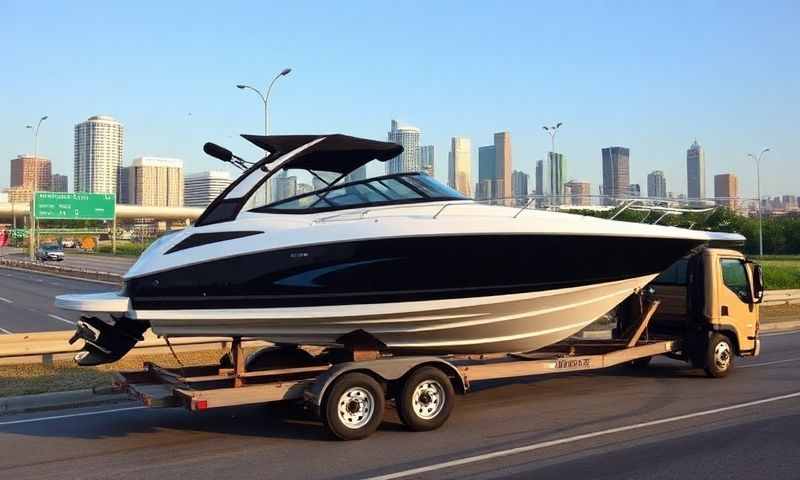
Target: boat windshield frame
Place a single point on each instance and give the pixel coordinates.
(325, 204)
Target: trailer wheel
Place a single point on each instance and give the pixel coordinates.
(426, 399)
(354, 406)
(719, 356)
(640, 363)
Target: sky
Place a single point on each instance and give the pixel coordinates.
(651, 76)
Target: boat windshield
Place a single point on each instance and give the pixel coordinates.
(386, 190)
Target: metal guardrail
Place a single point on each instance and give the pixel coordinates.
(781, 297)
(46, 347)
(58, 270)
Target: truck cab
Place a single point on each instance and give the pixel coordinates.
(711, 299)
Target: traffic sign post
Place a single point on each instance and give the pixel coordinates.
(74, 206)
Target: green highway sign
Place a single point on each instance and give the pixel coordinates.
(74, 206)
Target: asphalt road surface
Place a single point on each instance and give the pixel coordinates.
(26, 301)
(667, 422)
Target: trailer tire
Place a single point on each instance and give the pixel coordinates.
(640, 363)
(353, 408)
(719, 356)
(426, 399)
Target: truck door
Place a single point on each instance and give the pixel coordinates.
(736, 308)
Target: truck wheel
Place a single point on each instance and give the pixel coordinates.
(426, 399)
(354, 406)
(719, 356)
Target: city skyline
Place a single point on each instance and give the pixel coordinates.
(157, 81)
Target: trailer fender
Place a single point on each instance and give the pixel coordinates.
(386, 369)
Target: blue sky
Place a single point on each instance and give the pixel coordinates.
(651, 76)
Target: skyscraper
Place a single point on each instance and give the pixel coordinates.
(539, 177)
(556, 174)
(695, 172)
(98, 155)
(726, 190)
(359, 173)
(427, 158)
(578, 192)
(59, 183)
(487, 156)
(155, 182)
(656, 184)
(200, 189)
(460, 165)
(285, 187)
(519, 184)
(408, 137)
(616, 172)
(502, 146)
(31, 173)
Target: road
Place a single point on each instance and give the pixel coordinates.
(26, 301)
(666, 422)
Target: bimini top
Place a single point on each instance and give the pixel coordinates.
(337, 153)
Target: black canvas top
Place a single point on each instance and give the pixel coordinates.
(337, 153)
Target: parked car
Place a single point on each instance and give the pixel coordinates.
(68, 243)
(50, 252)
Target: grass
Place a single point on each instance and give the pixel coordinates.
(124, 248)
(781, 272)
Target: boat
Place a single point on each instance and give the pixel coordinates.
(401, 259)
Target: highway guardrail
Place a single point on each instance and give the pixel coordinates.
(59, 270)
(46, 347)
(781, 297)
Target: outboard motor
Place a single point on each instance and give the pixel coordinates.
(105, 342)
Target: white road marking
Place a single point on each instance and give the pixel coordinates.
(6, 300)
(763, 364)
(7, 332)
(779, 333)
(576, 438)
(56, 317)
(71, 415)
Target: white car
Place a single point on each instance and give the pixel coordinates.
(68, 243)
(50, 252)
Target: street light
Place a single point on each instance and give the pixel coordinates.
(265, 98)
(35, 178)
(552, 130)
(758, 193)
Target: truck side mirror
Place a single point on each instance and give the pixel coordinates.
(757, 286)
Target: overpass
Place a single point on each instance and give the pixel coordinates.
(123, 212)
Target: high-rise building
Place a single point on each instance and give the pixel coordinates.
(578, 192)
(98, 155)
(556, 174)
(426, 158)
(59, 183)
(539, 177)
(789, 202)
(726, 190)
(31, 173)
(285, 187)
(359, 173)
(155, 182)
(635, 190)
(502, 146)
(200, 189)
(408, 137)
(484, 189)
(304, 188)
(519, 184)
(656, 184)
(616, 172)
(459, 162)
(695, 172)
(487, 157)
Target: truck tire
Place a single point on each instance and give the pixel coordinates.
(354, 406)
(426, 399)
(719, 356)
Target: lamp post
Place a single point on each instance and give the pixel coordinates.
(265, 98)
(552, 130)
(35, 181)
(758, 193)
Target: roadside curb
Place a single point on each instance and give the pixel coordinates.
(60, 272)
(57, 400)
(773, 326)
